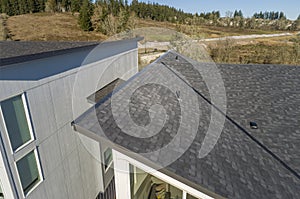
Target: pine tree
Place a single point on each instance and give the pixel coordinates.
(86, 12)
(75, 5)
(7, 7)
(282, 16)
(240, 14)
(235, 13)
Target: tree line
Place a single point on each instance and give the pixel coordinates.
(113, 16)
(17, 7)
(269, 15)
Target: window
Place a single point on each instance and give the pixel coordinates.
(16, 122)
(144, 185)
(20, 139)
(107, 158)
(28, 171)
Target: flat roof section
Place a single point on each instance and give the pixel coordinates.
(12, 52)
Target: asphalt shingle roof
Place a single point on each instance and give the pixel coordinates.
(245, 163)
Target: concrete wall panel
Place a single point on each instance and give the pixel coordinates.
(71, 164)
(50, 154)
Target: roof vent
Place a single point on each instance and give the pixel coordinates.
(253, 125)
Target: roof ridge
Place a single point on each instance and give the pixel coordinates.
(234, 122)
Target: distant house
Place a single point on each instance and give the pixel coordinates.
(59, 144)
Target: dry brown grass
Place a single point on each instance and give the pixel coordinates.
(64, 27)
(202, 31)
(281, 50)
(49, 27)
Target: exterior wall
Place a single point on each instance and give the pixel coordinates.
(70, 162)
(5, 179)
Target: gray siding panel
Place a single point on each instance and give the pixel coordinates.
(40, 192)
(55, 184)
(67, 140)
(71, 164)
(50, 154)
(61, 96)
(42, 114)
(73, 176)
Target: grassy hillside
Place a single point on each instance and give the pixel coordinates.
(64, 27)
(49, 27)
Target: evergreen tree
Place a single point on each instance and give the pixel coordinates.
(282, 16)
(235, 13)
(75, 5)
(66, 5)
(86, 12)
(7, 7)
(240, 13)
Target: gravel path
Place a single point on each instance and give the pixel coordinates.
(164, 44)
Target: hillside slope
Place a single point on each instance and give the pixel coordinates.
(49, 27)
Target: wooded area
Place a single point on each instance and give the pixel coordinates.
(113, 16)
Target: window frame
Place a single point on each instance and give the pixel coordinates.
(37, 159)
(24, 149)
(25, 106)
(107, 166)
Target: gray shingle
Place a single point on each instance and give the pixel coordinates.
(245, 163)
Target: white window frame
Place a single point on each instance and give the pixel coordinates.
(24, 149)
(37, 159)
(110, 163)
(120, 158)
(25, 106)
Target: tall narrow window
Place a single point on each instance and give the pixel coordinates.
(107, 158)
(20, 134)
(16, 122)
(28, 171)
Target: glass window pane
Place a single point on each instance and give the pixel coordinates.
(28, 172)
(16, 122)
(107, 157)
